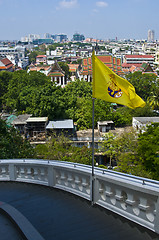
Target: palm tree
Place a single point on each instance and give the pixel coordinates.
(153, 100)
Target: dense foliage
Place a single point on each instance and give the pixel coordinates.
(144, 83)
(135, 154)
(34, 93)
(60, 148)
(12, 144)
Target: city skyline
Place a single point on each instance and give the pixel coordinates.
(110, 19)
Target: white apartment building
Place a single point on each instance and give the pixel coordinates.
(15, 54)
(138, 59)
(30, 38)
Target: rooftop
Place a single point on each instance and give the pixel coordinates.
(61, 124)
(146, 120)
(37, 119)
(58, 215)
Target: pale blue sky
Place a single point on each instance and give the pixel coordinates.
(102, 19)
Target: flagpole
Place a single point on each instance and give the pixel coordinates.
(92, 200)
(93, 101)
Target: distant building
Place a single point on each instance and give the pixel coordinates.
(144, 68)
(6, 65)
(78, 37)
(140, 123)
(41, 59)
(112, 62)
(74, 71)
(57, 75)
(151, 36)
(30, 38)
(105, 126)
(36, 127)
(16, 55)
(136, 60)
(60, 37)
(61, 126)
(20, 123)
(43, 69)
(47, 35)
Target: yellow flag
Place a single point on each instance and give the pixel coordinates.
(110, 87)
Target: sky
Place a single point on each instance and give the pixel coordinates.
(100, 19)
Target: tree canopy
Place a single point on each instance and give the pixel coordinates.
(12, 144)
(144, 83)
(34, 93)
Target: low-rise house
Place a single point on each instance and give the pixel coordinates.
(36, 127)
(23, 62)
(41, 59)
(43, 69)
(84, 138)
(20, 123)
(61, 126)
(105, 126)
(140, 123)
(6, 65)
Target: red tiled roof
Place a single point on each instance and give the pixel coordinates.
(41, 56)
(89, 61)
(132, 68)
(6, 62)
(113, 63)
(109, 65)
(118, 61)
(128, 65)
(85, 61)
(105, 59)
(2, 67)
(139, 56)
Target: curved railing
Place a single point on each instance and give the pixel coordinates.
(134, 198)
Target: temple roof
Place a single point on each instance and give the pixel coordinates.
(112, 62)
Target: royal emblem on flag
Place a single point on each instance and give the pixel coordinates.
(113, 90)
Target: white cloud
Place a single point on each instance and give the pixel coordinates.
(68, 4)
(101, 4)
(95, 10)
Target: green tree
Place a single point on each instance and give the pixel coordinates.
(32, 56)
(144, 83)
(148, 149)
(61, 148)
(12, 144)
(4, 81)
(18, 86)
(108, 146)
(128, 160)
(65, 68)
(153, 99)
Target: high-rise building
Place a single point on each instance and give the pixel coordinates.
(151, 35)
(78, 37)
(60, 37)
(47, 35)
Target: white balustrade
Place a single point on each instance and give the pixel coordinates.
(134, 198)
